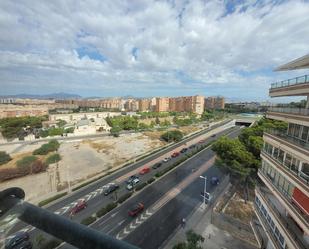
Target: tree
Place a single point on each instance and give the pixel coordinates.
(4, 157)
(157, 120)
(174, 135)
(194, 241)
(115, 131)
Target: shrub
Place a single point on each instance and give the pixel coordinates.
(109, 207)
(4, 157)
(53, 158)
(101, 212)
(52, 145)
(10, 173)
(124, 197)
(26, 162)
(158, 174)
(174, 135)
(140, 186)
(88, 220)
(152, 179)
(37, 167)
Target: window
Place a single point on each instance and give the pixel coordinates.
(304, 135)
(281, 155)
(295, 165)
(276, 153)
(288, 159)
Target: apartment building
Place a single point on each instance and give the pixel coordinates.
(144, 105)
(214, 103)
(131, 105)
(282, 197)
(162, 104)
(10, 111)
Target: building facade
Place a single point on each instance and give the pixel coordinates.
(282, 197)
(144, 105)
(214, 103)
(162, 104)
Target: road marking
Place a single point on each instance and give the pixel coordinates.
(148, 213)
(132, 226)
(120, 223)
(114, 214)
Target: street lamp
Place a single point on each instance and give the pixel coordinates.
(205, 178)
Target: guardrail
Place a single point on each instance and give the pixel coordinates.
(290, 82)
(290, 110)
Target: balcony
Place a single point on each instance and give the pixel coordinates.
(292, 234)
(289, 115)
(298, 215)
(292, 142)
(298, 86)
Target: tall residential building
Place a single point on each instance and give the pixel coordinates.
(162, 104)
(131, 105)
(214, 103)
(282, 197)
(144, 105)
(198, 104)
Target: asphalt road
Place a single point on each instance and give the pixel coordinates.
(95, 201)
(166, 203)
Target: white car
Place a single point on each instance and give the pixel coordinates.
(131, 185)
(166, 159)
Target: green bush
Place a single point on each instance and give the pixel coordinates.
(152, 179)
(109, 207)
(53, 158)
(4, 157)
(26, 162)
(174, 135)
(101, 212)
(124, 197)
(44, 202)
(52, 145)
(140, 186)
(158, 174)
(88, 220)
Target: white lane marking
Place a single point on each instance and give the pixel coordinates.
(125, 231)
(114, 214)
(132, 226)
(148, 213)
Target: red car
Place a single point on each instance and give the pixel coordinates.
(78, 207)
(136, 209)
(175, 154)
(144, 171)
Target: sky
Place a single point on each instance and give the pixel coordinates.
(150, 48)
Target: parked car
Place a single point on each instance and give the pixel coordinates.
(183, 150)
(166, 159)
(192, 146)
(175, 154)
(201, 141)
(111, 188)
(157, 165)
(214, 180)
(19, 240)
(133, 183)
(144, 171)
(136, 209)
(213, 135)
(78, 207)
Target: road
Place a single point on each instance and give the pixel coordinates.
(166, 201)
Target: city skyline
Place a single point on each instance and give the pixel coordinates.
(192, 47)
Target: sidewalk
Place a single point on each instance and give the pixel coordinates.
(215, 238)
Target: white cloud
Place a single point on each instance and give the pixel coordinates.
(214, 48)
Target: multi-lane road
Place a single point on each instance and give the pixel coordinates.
(166, 201)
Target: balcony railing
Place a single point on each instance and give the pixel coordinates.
(290, 229)
(289, 110)
(284, 195)
(291, 82)
(285, 136)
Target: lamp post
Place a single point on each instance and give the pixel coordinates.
(204, 194)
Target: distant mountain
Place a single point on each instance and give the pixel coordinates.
(46, 96)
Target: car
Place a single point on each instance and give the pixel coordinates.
(201, 141)
(175, 154)
(214, 180)
(183, 150)
(157, 165)
(110, 188)
(19, 240)
(131, 185)
(131, 179)
(78, 207)
(213, 135)
(192, 146)
(144, 171)
(136, 209)
(166, 159)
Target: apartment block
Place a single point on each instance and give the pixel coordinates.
(282, 197)
(162, 104)
(144, 105)
(10, 111)
(214, 103)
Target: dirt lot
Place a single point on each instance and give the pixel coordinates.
(81, 160)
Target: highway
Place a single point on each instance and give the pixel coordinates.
(166, 201)
(96, 200)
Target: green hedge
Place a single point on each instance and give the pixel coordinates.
(53, 158)
(26, 161)
(4, 157)
(140, 186)
(44, 202)
(152, 179)
(88, 220)
(124, 197)
(52, 145)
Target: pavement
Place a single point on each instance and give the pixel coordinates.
(215, 238)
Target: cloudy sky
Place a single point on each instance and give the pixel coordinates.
(150, 48)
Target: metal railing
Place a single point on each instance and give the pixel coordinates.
(290, 110)
(281, 218)
(282, 134)
(290, 82)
